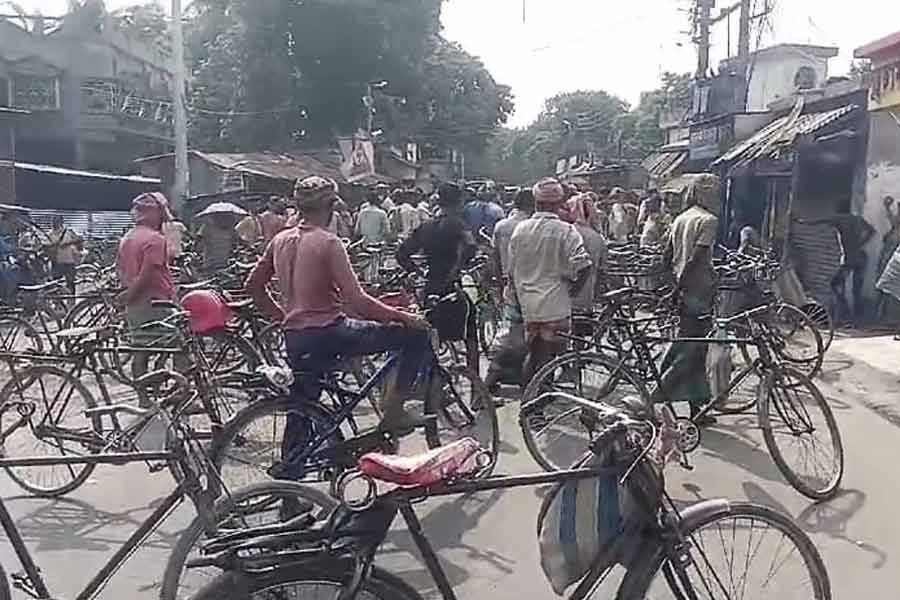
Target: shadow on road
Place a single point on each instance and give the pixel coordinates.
(732, 444)
(70, 524)
(825, 518)
(444, 528)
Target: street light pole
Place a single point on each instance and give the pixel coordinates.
(182, 176)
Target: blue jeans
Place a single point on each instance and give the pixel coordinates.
(316, 351)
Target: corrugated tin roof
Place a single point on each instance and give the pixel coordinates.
(277, 166)
(780, 134)
(662, 164)
(99, 224)
(52, 170)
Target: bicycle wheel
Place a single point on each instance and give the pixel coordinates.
(796, 339)
(558, 431)
(227, 352)
(801, 433)
(253, 506)
(19, 336)
(464, 408)
(321, 582)
(821, 317)
(57, 427)
(252, 441)
(747, 551)
(488, 325)
(91, 312)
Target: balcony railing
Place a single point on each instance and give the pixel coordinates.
(103, 97)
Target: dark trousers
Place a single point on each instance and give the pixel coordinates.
(839, 287)
(67, 272)
(316, 351)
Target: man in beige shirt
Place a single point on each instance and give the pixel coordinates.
(65, 252)
(548, 265)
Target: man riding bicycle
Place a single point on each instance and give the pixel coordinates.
(317, 282)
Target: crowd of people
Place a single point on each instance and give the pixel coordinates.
(548, 254)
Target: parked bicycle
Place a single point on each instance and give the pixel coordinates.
(713, 549)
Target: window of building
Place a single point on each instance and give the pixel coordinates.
(35, 92)
(4, 92)
(805, 79)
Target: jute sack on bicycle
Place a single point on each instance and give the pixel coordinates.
(594, 523)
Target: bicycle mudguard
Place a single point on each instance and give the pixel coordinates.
(700, 511)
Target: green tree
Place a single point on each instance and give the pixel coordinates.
(583, 122)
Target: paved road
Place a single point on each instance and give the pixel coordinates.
(487, 542)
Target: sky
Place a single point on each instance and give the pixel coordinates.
(620, 47)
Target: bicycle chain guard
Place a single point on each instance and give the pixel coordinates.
(688, 435)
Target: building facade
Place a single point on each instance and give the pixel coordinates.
(883, 157)
(98, 96)
(779, 71)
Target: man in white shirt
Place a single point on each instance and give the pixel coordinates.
(175, 233)
(407, 216)
(510, 347)
(548, 265)
(372, 223)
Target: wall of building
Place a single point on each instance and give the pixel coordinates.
(883, 179)
(774, 75)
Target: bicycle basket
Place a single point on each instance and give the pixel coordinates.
(594, 523)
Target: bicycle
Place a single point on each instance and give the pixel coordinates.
(679, 548)
(195, 480)
(786, 401)
(44, 401)
(454, 403)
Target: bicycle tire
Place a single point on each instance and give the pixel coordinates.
(5, 591)
(533, 406)
(172, 583)
(776, 390)
(462, 415)
(488, 325)
(227, 445)
(378, 585)
(821, 316)
(10, 393)
(640, 578)
(810, 366)
(20, 330)
(220, 360)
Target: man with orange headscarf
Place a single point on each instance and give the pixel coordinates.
(584, 217)
(143, 265)
(548, 265)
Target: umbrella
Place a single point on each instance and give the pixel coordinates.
(223, 208)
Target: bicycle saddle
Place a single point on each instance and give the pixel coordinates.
(427, 468)
(619, 294)
(199, 285)
(42, 286)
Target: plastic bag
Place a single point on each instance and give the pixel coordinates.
(580, 523)
(719, 366)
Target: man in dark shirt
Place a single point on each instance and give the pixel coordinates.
(853, 233)
(447, 245)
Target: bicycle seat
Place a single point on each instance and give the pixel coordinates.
(616, 295)
(199, 285)
(165, 304)
(80, 332)
(238, 305)
(42, 286)
(427, 468)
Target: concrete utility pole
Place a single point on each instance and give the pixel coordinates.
(704, 10)
(180, 188)
(743, 55)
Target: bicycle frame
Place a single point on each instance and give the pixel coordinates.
(33, 582)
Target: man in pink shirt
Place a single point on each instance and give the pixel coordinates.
(316, 283)
(143, 266)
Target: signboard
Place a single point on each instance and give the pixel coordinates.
(359, 159)
(709, 140)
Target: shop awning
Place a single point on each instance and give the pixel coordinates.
(779, 135)
(665, 162)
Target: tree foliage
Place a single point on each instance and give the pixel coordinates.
(269, 74)
(583, 122)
